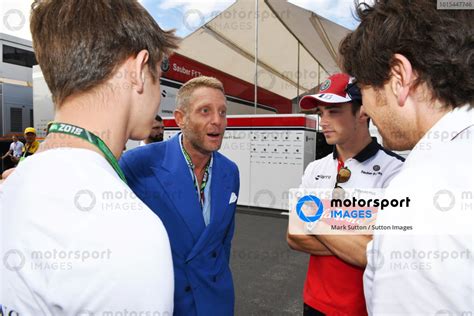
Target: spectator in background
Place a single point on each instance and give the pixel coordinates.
(31, 145)
(156, 134)
(15, 151)
(28, 149)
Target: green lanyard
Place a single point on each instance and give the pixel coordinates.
(68, 129)
(204, 179)
(26, 151)
(23, 156)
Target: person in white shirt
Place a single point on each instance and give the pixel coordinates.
(414, 66)
(75, 240)
(15, 150)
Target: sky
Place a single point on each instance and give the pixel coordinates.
(183, 15)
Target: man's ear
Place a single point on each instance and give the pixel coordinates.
(140, 69)
(401, 78)
(363, 115)
(179, 117)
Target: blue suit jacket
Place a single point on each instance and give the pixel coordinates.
(159, 176)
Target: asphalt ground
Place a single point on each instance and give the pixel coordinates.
(268, 275)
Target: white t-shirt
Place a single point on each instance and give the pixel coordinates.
(428, 273)
(75, 240)
(16, 148)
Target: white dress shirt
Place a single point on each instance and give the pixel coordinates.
(429, 271)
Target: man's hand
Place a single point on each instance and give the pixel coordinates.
(7, 173)
(350, 248)
(308, 244)
(14, 159)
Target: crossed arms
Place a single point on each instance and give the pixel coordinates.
(350, 248)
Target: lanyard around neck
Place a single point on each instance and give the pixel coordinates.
(68, 129)
(340, 164)
(200, 190)
(27, 147)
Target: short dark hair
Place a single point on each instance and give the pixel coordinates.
(355, 106)
(80, 44)
(158, 118)
(438, 43)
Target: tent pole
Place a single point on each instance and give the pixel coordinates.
(256, 56)
(298, 77)
(319, 74)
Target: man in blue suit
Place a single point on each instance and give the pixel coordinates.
(194, 190)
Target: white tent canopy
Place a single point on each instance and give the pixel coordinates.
(296, 48)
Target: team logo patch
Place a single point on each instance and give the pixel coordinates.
(321, 177)
(325, 85)
(376, 168)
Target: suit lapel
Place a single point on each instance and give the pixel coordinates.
(177, 182)
(220, 194)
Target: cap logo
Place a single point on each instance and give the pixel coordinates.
(325, 96)
(325, 85)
